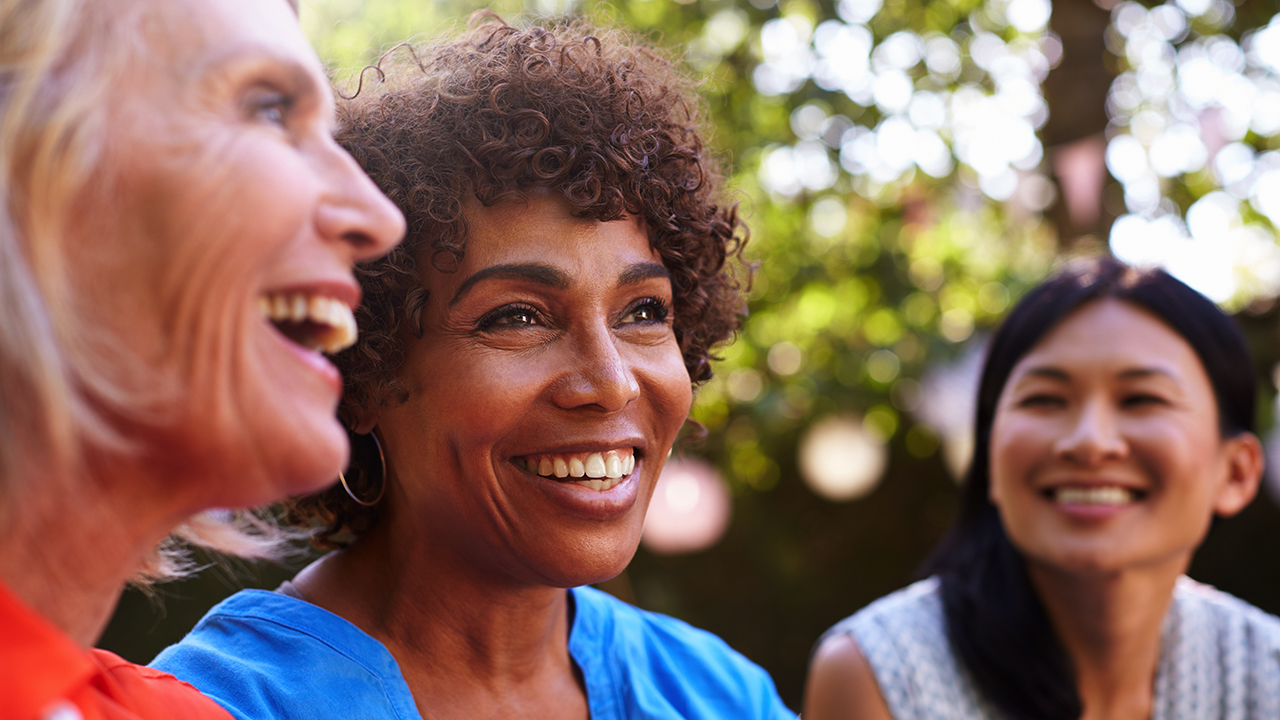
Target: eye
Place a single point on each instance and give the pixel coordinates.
(1042, 400)
(1136, 400)
(508, 316)
(270, 107)
(648, 311)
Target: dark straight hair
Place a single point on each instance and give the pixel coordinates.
(996, 623)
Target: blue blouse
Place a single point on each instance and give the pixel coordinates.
(268, 656)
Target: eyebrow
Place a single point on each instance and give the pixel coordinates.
(539, 273)
(1142, 372)
(639, 272)
(1053, 373)
(553, 277)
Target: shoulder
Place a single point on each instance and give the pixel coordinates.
(660, 659)
(150, 693)
(45, 674)
(1234, 620)
(911, 613)
(640, 634)
(1219, 656)
(901, 642)
(263, 655)
(841, 683)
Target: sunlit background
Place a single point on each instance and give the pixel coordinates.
(908, 170)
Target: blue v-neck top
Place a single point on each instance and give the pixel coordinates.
(268, 656)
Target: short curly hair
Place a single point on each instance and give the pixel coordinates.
(592, 115)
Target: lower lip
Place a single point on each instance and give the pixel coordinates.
(600, 505)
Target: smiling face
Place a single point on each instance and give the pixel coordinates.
(212, 258)
(1105, 450)
(545, 394)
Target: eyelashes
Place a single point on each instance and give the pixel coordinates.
(646, 311)
(650, 310)
(513, 315)
(270, 106)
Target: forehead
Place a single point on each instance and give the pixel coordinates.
(1115, 335)
(542, 228)
(189, 33)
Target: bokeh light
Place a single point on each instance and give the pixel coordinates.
(972, 99)
(947, 404)
(840, 460)
(690, 508)
(1194, 115)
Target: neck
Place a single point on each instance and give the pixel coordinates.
(69, 545)
(468, 644)
(1110, 626)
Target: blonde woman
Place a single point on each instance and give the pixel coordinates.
(176, 243)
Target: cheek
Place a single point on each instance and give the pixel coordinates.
(1187, 464)
(672, 388)
(461, 396)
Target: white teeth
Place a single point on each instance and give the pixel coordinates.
(613, 467)
(595, 465)
(599, 484)
(1093, 495)
(607, 467)
(335, 316)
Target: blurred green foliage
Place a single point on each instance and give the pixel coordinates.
(857, 294)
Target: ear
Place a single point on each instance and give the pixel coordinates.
(365, 420)
(1245, 463)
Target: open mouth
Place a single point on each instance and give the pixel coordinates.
(595, 470)
(316, 322)
(1106, 495)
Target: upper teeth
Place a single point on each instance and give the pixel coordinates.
(1094, 495)
(603, 469)
(332, 313)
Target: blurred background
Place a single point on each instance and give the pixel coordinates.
(908, 169)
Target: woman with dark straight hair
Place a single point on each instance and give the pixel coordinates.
(1115, 420)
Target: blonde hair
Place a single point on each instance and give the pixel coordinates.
(60, 60)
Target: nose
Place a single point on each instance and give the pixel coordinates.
(354, 211)
(1094, 436)
(598, 374)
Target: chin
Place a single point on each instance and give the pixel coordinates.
(311, 462)
(1082, 563)
(266, 457)
(591, 562)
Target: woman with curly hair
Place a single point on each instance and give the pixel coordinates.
(566, 274)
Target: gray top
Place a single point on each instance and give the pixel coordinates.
(1219, 658)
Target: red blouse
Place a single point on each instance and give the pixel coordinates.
(45, 675)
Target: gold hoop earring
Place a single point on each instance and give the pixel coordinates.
(382, 489)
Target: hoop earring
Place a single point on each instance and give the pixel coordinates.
(382, 490)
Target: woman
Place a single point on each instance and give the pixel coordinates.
(537, 341)
(1115, 421)
(169, 179)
